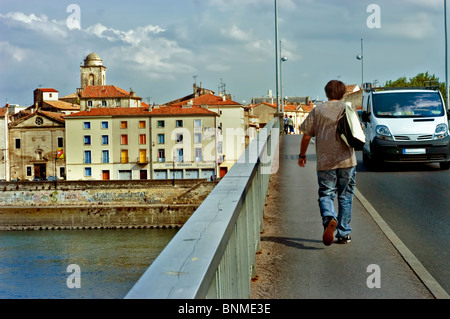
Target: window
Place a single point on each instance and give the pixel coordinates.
(29, 170)
(198, 154)
(87, 140)
(197, 138)
(60, 142)
(179, 138)
(160, 124)
(104, 125)
(87, 171)
(17, 143)
(117, 102)
(142, 139)
(142, 124)
(87, 157)
(180, 155)
(142, 156)
(90, 103)
(124, 124)
(105, 157)
(197, 123)
(179, 123)
(87, 125)
(124, 156)
(161, 155)
(124, 139)
(105, 139)
(104, 103)
(39, 121)
(161, 139)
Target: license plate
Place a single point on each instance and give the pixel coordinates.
(415, 151)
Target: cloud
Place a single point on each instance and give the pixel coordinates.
(8, 50)
(236, 34)
(133, 37)
(416, 27)
(36, 23)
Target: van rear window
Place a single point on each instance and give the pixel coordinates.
(408, 104)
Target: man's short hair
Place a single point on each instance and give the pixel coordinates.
(335, 90)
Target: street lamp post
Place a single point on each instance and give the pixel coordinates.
(361, 57)
(283, 59)
(446, 54)
(277, 59)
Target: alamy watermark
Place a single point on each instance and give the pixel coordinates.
(73, 21)
(74, 279)
(374, 19)
(374, 279)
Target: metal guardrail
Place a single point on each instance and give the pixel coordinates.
(213, 255)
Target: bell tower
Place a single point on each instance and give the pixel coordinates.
(93, 72)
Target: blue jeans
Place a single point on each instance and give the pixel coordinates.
(341, 182)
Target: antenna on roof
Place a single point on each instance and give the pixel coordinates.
(195, 79)
(222, 88)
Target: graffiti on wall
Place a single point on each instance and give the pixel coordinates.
(78, 197)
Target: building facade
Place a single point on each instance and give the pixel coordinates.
(37, 147)
(108, 144)
(4, 154)
(184, 143)
(140, 143)
(231, 127)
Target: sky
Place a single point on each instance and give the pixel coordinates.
(159, 48)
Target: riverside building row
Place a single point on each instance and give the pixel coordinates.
(188, 139)
(103, 132)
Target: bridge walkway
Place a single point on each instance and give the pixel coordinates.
(294, 263)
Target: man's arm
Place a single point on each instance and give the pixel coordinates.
(303, 148)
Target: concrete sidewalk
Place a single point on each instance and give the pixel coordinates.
(294, 263)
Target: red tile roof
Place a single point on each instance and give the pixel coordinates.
(116, 111)
(143, 111)
(209, 99)
(53, 115)
(181, 110)
(61, 105)
(47, 90)
(104, 91)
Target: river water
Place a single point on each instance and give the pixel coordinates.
(34, 264)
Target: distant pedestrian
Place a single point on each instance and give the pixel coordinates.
(285, 122)
(336, 164)
(291, 124)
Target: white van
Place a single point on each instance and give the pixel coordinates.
(405, 125)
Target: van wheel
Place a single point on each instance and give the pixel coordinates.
(371, 163)
(366, 160)
(444, 165)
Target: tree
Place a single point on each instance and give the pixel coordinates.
(418, 81)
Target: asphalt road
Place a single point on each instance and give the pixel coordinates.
(414, 200)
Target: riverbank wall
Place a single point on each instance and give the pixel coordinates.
(100, 204)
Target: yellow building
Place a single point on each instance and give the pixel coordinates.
(184, 143)
(108, 143)
(138, 143)
(231, 127)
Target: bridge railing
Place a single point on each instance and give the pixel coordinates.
(213, 255)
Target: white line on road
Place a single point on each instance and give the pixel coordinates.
(423, 274)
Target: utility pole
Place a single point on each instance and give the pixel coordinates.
(277, 59)
(446, 55)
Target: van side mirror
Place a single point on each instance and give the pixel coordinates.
(365, 116)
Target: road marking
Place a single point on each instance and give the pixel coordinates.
(423, 274)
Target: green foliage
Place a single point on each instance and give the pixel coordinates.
(418, 81)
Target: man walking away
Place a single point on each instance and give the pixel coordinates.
(336, 164)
